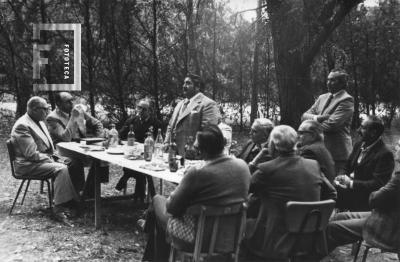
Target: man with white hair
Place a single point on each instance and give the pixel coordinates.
(256, 149)
(288, 177)
(34, 152)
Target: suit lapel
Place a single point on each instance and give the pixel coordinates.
(335, 101)
(45, 137)
(371, 153)
(189, 108)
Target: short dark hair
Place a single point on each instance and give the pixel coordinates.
(376, 124)
(196, 79)
(210, 140)
(57, 98)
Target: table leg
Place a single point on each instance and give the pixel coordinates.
(97, 196)
(161, 187)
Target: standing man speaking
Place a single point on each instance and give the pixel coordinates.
(191, 114)
(334, 110)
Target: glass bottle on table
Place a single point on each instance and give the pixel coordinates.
(172, 152)
(149, 145)
(158, 147)
(130, 143)
(113, 136)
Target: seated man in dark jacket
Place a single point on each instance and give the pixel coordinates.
(141, 122)
(288, 177)
(380, 228)
(256, 149)
(311, 145)
(222, 180)
(369, 167)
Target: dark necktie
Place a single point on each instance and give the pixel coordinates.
(327, 104)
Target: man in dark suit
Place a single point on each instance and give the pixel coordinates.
(191, 114)
(369, 167)
(380, 228)
(256, 149)
(288, 177)
(334, 110)
(141, 123)
(34, 152)
(68, 122)
(311, 145)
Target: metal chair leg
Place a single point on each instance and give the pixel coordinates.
(26, 190)
(356, 248)
(365, 254)
(49, 191)
(16, 197)
(41, 187)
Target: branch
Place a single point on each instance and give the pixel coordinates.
(330, 25)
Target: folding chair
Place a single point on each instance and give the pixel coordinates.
(307, 221)
(47, 179)
(215, 225)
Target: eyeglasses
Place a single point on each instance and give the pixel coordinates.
(43, 108)
(302, 132)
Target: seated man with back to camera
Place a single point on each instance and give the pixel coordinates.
(67, 123)
(222, 180)
(141, 123)
(380, 228)
(34, 151)
(288, 177)
(256, 149)
(311, 145)
(369, 167)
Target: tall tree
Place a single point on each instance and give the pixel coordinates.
(299, 29)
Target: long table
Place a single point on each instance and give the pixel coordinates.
(73, 149)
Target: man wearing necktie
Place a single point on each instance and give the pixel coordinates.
(68, 123)
(334, 111)
(191, 114)
(34, 150)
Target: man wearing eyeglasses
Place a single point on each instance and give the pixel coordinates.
(141, 123)
(68, 123)
(311, 145)
(34, 150)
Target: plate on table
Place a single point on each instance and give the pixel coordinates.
(86, 147)
(96, 148)
(134, 157)
(115, 151)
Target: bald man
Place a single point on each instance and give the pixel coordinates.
(34, 150)
(141, 122)
(334, 111)
(67, 123)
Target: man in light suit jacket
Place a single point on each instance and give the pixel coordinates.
(369, 167)
(380, 228)
(67, 123)
(191, 114)
(288, 177)
(334, 110)
(34, 151)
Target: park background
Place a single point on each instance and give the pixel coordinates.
(256, 58)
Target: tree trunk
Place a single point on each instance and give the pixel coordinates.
(155, 60)
(90, 65)
(254, 90)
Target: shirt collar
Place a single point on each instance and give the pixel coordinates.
(364, 149)
(339, 93)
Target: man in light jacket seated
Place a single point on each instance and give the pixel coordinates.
(222, 180)
(34, 150)
(380, 228)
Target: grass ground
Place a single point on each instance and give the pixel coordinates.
(31, 235)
